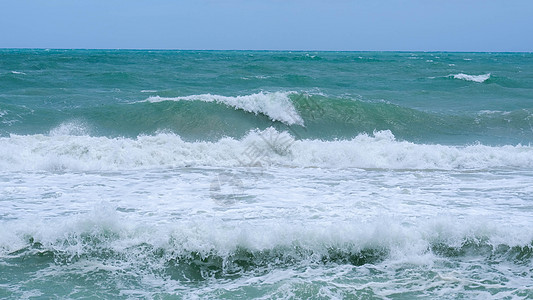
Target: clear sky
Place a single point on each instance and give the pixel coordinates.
(427, 25)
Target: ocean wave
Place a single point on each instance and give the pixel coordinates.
(258, 148)
(204, 260)
(277, 106)
(222, 246)
(474, 78)
(325, 118)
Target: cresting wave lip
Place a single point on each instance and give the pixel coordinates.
(277, 105)
(475, 78)
(166, 150)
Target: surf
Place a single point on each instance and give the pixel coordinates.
(379, 150)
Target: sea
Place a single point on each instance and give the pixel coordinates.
(128, 174)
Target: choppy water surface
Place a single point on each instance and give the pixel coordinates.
(216, 174)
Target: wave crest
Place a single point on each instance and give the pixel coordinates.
(277, 106)
(104, 230)
(474, 78)
(258, 148)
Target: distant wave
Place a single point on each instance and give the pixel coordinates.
(474, 78)
(211, 117)
(277, 106)
(271, 147)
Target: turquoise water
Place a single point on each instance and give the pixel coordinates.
(338, 94)
(256, 174)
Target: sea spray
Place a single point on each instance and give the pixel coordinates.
(166, 150)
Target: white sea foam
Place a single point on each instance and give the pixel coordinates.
(277, 106)
(269, 147)
(474, 78)
(17, 72)
(294, 224)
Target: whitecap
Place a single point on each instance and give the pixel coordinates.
(277, 106)
(60, 151)
(475, 78)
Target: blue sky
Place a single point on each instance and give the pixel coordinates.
(427, 25)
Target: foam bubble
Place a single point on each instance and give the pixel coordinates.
(277, 106)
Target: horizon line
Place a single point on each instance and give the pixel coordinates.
(260, 50)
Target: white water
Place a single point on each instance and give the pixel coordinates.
(259, 148)
(301, 213)
(127, 208)
(474, 78)
(277, 106)
(315, 209)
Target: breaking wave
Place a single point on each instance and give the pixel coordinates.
(198, 250)
(277, 106)
(258, 148)
(474, 78)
